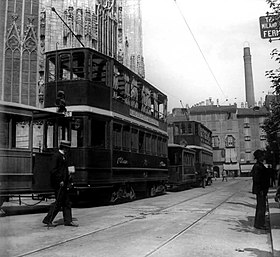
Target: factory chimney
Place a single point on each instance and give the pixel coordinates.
(249, 85)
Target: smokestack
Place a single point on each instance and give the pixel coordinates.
(249, 85)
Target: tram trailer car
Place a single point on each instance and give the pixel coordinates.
(24, 168)
(116, 124)
(182, 172)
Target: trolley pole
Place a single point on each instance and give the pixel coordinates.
(53, 9)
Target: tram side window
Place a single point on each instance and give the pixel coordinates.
(176, 129)
(117, 136)
(98, 132)
(126, 138)
(51, 69)
(20, 134)
(164, 147)
(159, 146)
(154, 145)
(134, 140)
(4, 132)
(64, 68)
(50, 131)
(38, 135)
(141, 142)
(78, 65)
(77, 134)
(148, 141)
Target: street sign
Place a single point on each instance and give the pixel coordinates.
(270, 26)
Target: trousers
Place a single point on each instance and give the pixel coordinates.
(260, 210)
(62, 201)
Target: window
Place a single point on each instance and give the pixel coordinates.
(263, 137)
(183, 128)
(98, 69)
(176, 129)
(215, 142)
(64, 72)
(159, 146)
(78, 65)
(141, 142)
(117, 137)
(189, 128)
(20, 137)
(126, 138)
(4, 132)
(63, 131)
(38, 135)
(148, 142)
(98, 132)
(154, 145)
(164, 147)
(134, 140)
(51, 69)
(50, 131)
(230, 141)
(247, 138)
(77, 133)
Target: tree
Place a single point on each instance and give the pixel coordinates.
(272, 123)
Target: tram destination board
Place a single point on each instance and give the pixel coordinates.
(270, 26)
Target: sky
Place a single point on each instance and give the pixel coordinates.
(193, 50)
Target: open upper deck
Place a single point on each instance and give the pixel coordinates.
(89, 78)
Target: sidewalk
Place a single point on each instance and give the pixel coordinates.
(274, 216)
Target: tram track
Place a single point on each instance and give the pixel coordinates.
(134, 218)
(174, 237)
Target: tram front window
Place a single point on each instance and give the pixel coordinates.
(51, 69)
(64, 71)
(77, 133)
(78, 65)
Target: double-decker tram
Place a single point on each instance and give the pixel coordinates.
(24, 168)
(115, 121)
(190, 153)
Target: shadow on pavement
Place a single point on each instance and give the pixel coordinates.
(244, 204)
(247, 226)
(258, 252)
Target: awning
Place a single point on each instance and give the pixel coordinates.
(234, 166)
(246, 167)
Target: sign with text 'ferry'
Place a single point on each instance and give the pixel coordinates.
(270, 26)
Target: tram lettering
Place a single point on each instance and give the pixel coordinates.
(121, 160)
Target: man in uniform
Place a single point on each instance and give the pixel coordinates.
(60, 182)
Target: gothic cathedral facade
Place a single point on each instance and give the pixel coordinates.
(29, 28)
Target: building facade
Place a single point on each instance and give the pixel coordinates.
(29, 28)
(236, 134)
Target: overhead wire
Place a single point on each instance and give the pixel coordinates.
(199, 48)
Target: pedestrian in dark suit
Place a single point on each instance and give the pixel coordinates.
(260, 188)
(60, 181)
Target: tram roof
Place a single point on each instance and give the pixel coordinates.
(26, 110)
(180, 146)
(199, 148)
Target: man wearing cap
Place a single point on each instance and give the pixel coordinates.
(260, 188)
(60, 181)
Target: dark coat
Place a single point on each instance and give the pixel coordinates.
(260, 178)
(59, 170)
